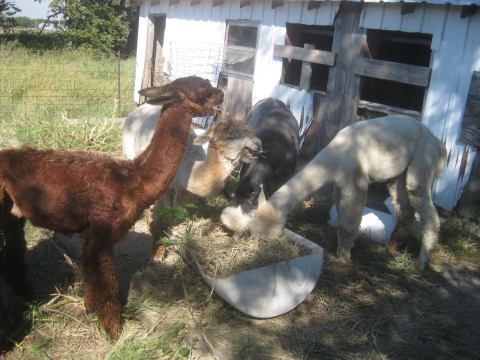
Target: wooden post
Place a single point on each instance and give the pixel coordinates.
(339, 107)
(119, 81)
(306, 72)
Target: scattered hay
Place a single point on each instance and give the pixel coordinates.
(221, 255)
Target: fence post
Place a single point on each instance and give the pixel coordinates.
(118, 81)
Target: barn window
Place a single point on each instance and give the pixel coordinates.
(402, 87)
(240, 48)
(307, 37)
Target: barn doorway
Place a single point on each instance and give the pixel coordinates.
(153, 71)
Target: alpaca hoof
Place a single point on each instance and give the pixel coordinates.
(110, 320)
(399, 239)
(159, 254)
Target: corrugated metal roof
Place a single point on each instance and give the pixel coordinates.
(437, 2)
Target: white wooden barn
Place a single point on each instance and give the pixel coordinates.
(332, 62)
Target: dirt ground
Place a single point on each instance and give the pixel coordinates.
(378, 307)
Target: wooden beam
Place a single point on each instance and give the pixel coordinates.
(310, 55)
(195, 2)
(173, 2)
(306, 73)
(217, 2)
(468, 10)
(407, 8)
(387, 70)
(244, 3)
(313, 5)
(277, 3)
(387, 109)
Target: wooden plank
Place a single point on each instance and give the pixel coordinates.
(173, 2)
(363, 104)
(195, 2)
(470, 132)
(218, 2)
(238, 97)
(147, 70)
(306, 73)
(387, 70)
(311, 55)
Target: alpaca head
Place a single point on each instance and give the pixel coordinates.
(234, 140)
(194, 92)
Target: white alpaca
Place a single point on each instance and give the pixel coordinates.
(395, 148)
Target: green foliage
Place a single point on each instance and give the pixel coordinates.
(26, 22)
(41, 41)
(7, 10)
(100, 25)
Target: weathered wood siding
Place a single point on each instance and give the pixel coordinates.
(455, 45)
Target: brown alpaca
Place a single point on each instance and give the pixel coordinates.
(99, 197)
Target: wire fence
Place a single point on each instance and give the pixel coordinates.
(201, 59)
(72, 84)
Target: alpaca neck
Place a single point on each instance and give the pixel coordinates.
(208, 177)
(317, 173)
(158, 163)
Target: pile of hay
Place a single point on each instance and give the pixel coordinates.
(221, 255)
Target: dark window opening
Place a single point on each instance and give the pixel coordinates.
(393, 93)
(321, 37)
(399, 47)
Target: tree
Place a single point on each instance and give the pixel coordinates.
(7, 10)
(102, 25)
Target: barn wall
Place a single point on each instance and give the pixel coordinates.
(202, 27)
(456, 54)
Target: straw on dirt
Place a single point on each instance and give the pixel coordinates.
(221, 255)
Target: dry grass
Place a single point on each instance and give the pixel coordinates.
(222, 254)
(378, 307)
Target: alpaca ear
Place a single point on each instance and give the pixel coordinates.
(261, 197)
(160, 95)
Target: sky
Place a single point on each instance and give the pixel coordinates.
(32, 9)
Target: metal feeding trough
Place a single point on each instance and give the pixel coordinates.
(272, 290)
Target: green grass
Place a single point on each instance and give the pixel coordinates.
(60, 99)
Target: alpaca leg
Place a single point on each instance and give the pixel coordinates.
(12, 251)
(350, 203)
(100, 279)
(419, 185)
(404, 212)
